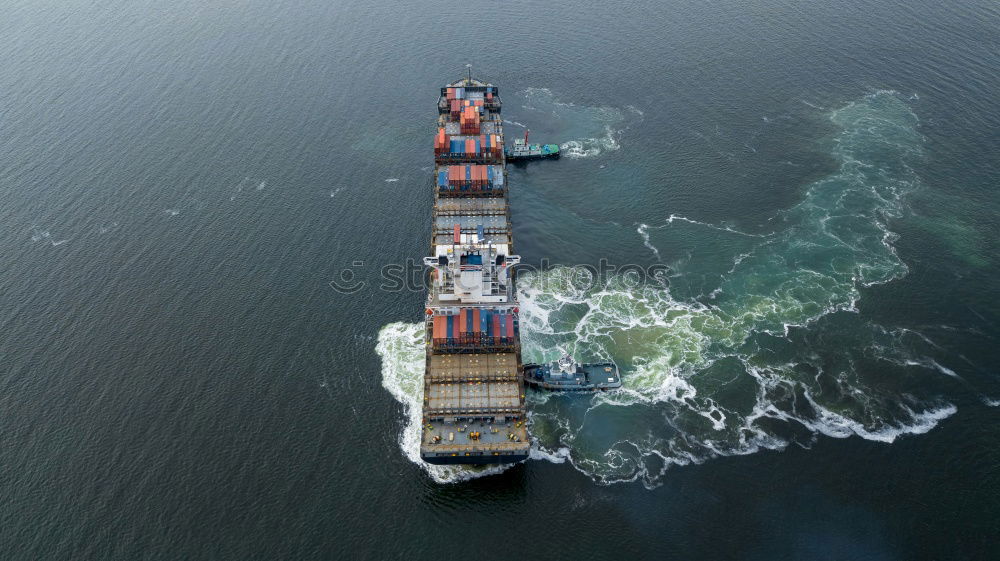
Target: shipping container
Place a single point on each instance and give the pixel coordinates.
(475, 321)
(440, 327)
(463, 322)
(509, 326)
(496, 324)
(451, 327)
(457, 234)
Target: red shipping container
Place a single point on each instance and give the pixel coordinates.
(440, 327)
(470, 146)
(496, 325)
(463, 319)
(509, 327)
(458, 238)
(475, 320)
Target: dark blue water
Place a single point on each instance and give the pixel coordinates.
(814, 376)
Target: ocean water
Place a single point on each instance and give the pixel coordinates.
(810, 374)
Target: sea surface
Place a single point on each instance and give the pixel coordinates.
(811, 373)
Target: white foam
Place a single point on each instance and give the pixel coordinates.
(590, 147)
(401, 348)
(928, 363)
(392, 180)
(679, 218)
(643, 231)
(558, 456)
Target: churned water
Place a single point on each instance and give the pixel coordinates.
(811, 372)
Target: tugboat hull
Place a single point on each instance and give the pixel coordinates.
(571, 377)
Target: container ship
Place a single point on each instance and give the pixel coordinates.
(473, 403)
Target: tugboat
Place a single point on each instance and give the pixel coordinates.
(522, 151)
(568, 375)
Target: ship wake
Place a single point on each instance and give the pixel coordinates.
(592, 130)
(776, 355)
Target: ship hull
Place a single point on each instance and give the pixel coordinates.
(474, 460)
(473, 408)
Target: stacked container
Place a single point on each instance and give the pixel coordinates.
(474, 325)
(470, 120)
(470, 177)
(440, 142)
